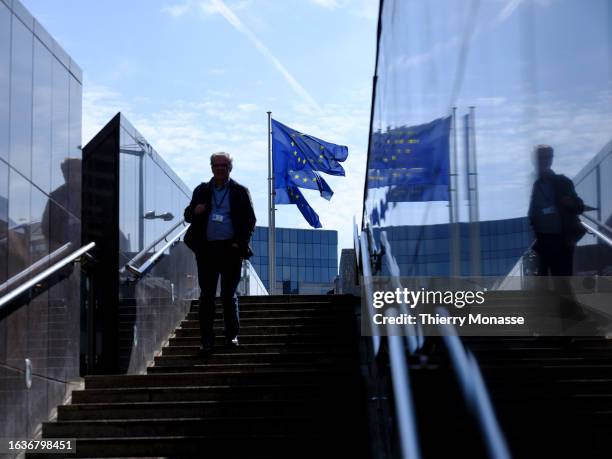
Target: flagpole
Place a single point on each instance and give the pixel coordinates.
(455, 262)
(271, 222)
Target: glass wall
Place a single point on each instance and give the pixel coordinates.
(306, 260)
(460, 101)
(593, 182)
(151, 203)
(40, 218)
(133, 206)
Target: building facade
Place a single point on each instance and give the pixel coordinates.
(425, 250)
(306, 260)
(133, 206)
(40, 217)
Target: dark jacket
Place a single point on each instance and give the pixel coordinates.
(241, 211)
(571, 228)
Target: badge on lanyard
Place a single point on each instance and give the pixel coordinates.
(217, 218)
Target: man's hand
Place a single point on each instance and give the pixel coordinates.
(199, 209)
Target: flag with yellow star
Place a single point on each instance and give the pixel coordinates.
(413, 161)
(299, 159)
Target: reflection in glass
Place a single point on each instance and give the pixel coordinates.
(41, 117)
(60, 144)
(21, 99)
(19, 223)
(61, 214)
(4, 189)
(5, 61)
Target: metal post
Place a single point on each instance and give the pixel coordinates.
(271, 222)
(453, 209)
(472, 191)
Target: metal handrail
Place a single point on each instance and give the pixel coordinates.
(147, 265)
(597, 222)
(597, 233)
(402, 395)
(475, 391)
(146, 250)
(45, 274)
(464, 364)
(35, 266)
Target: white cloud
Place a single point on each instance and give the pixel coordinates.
(216, 71)
(100, 104)
(247, 107)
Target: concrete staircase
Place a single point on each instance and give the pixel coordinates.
(292, 389)
(552, 397)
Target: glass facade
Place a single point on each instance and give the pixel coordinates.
(593, 183)
(497, 72)
(306, 260)
(40, 217)
(424, 250)
(133, 205)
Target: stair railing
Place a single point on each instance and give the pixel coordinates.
(464, 365)
(402, 393)
(152, 261)
(591, 229)
(130, 265)
(474, 391)
(41, 277)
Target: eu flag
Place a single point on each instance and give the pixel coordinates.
(298, 160)
(413, 161)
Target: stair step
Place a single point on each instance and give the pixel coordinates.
(176, 349)
(262, 376)
(169, 410)
(248, 367)
(275, 321)
(254, 425)
(231, 357)
(219, 392)
(277, 338)
(329, 330)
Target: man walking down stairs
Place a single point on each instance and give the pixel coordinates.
(291, 389)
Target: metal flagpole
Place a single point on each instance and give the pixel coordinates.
(271, 222)
(472, 191)
(453, 211)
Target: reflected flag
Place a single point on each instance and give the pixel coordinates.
(413, 161)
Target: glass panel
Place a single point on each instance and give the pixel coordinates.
(605, 171)
(19, 224)
(5, 65)
(39, 246)
(41, 117)
(21, 99)
(60, 147)
(4, 189)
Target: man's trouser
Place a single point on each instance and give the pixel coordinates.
(218, 259)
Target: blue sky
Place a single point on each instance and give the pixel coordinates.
(197, 76)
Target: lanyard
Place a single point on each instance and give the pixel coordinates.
(218, 204)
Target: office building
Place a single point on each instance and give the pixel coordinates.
(306, 260)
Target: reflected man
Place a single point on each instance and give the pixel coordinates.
(222, 223)
(553, 213)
